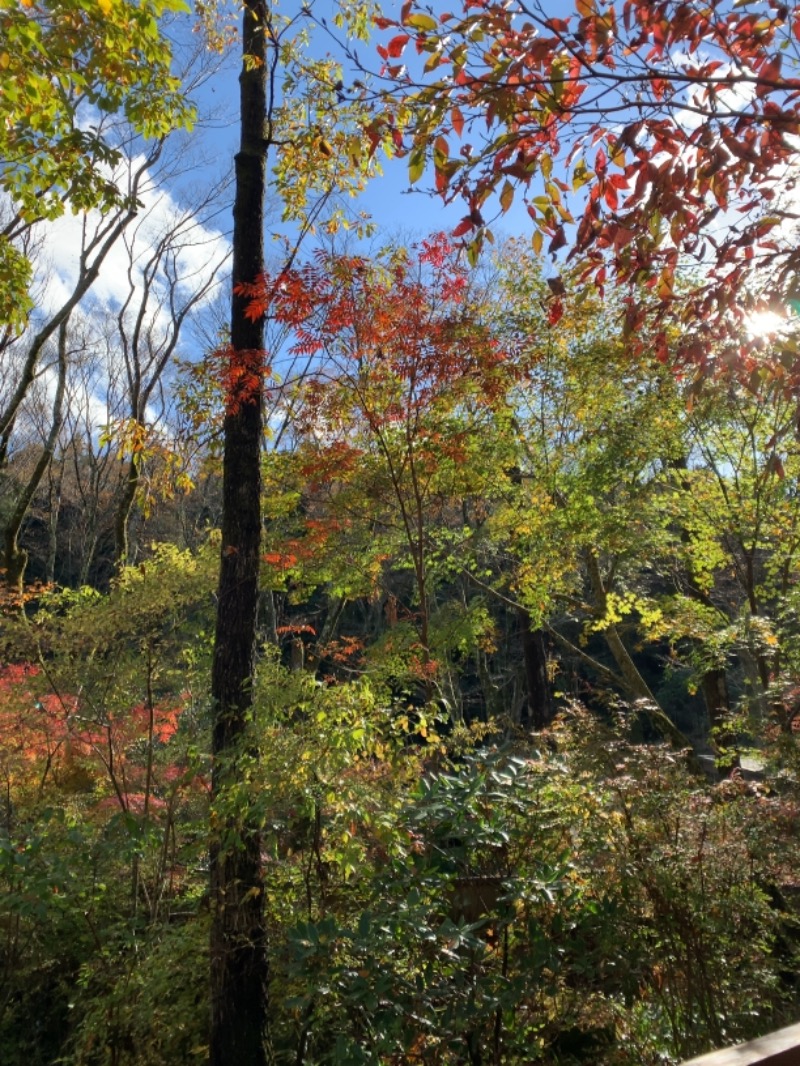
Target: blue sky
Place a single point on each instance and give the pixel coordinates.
(396, 208)
(399, 212)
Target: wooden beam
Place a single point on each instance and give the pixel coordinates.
(781, 1048)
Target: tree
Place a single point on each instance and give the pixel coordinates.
(288, 103)
(734, 502)
(163, 291)
(96, 246)
(239, 973)
(394, 398)
(105, 768)
(591, 432)
(665, 118)
(131, 352)
(66, 67)
(80, 149)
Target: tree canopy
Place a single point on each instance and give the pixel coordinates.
(399, 648)
(676, 125)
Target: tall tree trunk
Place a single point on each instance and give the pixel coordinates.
(714, 686)
(53, 511)
(239, 967)
(540, 699)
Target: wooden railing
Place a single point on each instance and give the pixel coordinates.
(781, 1048)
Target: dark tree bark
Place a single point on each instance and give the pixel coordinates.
(714, 686)
(540, 699)
(239, 966)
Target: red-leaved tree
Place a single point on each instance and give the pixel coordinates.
(401, 369)
(645, 138)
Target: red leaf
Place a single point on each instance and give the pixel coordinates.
(395, 47)
(555, 312)
(558, 241)
(771, 71)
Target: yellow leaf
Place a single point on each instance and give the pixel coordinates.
(421, 22)
(580, 175)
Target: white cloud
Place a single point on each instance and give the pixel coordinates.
(730, 98)
(197, 249)
(193, 252)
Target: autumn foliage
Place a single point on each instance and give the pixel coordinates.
(395, 349)
(470, 736)
(406, 318)
(643, 139)
(56, 740)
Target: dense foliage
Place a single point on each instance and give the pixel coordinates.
(408, 672)
(440, 884)
(577, 899)
(628, 130)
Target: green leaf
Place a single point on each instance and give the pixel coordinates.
(416, 164)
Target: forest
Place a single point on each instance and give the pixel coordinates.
(399, 635)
